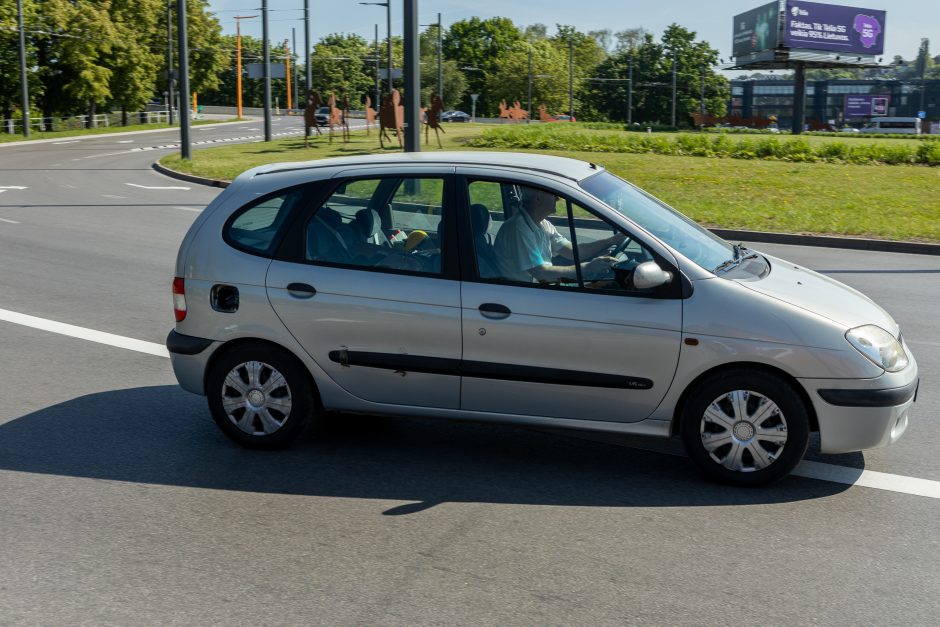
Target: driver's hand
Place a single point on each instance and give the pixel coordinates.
(599, 265)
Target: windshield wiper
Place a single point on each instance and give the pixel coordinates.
(736, 260)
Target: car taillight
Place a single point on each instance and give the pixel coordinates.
(179, 298)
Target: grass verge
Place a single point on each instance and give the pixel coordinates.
(79, 132)
(895, 203)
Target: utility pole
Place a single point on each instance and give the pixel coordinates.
(307, 48)
(412, 99)
(238, 47)
(297, 96)
(388, 19)
(24, 85)
(169, 60)
(529, 101)
(266, 60)
(673, 88)
(287, 75)
(630, 91)
(378, 90)
(185, 148)
(440, 59)
(701, 107)
(571, 80)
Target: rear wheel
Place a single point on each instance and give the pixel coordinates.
(260, 396)
(745, 428)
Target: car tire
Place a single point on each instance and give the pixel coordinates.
(260, 396)
(745, 427)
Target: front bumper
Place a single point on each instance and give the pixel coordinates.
(855, 415)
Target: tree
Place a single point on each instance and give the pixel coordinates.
(480, 45)
(134, 63)
(652, 76)
(510, 81)
(455, 83)
(340, 65)
(10, 88)
(630, 38)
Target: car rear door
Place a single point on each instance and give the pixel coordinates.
(382, 321)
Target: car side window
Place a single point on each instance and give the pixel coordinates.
(549, 241)
(254, 228)
(385, 224)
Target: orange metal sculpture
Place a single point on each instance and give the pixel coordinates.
(516, 112)
(337, 119)
(433, 120)
(370, 116)
(391, 116)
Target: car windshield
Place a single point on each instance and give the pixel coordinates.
(695, 242)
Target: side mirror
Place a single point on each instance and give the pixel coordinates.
(648, 275)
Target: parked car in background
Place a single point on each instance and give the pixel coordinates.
(322, 116)
(455, 116)
(405, 285)
(906, 126)
(564, 118)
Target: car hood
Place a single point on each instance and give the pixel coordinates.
(821, 295)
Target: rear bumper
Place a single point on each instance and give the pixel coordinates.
(189, 357)
(857, 415)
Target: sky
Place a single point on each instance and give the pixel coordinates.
(907, 21)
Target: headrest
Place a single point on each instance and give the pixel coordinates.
(479, 219)
(367, 222)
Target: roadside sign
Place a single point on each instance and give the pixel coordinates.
(922, 115)
(256, 70)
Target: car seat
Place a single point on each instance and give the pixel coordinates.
(325, 240)
(487, 262)
(367, 228)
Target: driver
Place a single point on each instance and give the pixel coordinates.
(527, 242)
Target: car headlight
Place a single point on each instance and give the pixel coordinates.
(882, 348)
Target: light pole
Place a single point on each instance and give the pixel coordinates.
(266, 60)
(701, 107)
(24, 86)
(185, 148)
(238, 47)
(529, 101)
(673, 88)
(570, 80)
(309, 74)
(630, 91)
(388, 19)
(440, 59)
(378, 90)
(169, 60)
(412, 99)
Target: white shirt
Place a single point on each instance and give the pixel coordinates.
(521, 245)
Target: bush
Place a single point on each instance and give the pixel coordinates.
(765, 146)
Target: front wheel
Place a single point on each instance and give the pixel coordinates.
(745, 428)
(260, 396)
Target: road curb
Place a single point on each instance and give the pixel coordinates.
(793, 239)
(189, 178)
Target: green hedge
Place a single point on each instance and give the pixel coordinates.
(554, 137)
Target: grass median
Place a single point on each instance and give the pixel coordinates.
(6, 138)
(876, 201)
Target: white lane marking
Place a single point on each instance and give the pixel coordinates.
(921, 342)
(868, 479)
(113, 196)
(187, 208)
(2, 190)
(9, 221)
(12, 187)
(807, 469)
(157, 187)
(126, 141)
(74, 141)
(82, 333)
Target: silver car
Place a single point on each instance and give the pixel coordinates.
(522, 289)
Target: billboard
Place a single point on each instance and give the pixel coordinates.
(866, 105)
(756, 30)
(848, 30)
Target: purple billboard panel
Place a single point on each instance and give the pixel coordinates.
(836, 28)
(866, 105)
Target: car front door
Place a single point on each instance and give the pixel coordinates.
(371, 292)
(581, 347)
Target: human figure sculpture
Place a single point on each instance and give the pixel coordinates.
(370, 115)
(433, 120)
(391, 116)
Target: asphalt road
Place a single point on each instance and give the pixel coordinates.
(122, 503)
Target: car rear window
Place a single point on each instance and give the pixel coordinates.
(254, 228)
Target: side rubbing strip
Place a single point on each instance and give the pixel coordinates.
(486, 370)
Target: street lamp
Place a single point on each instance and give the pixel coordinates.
(388, 15)
(24, 86)
(440, 57)
(238, 47)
